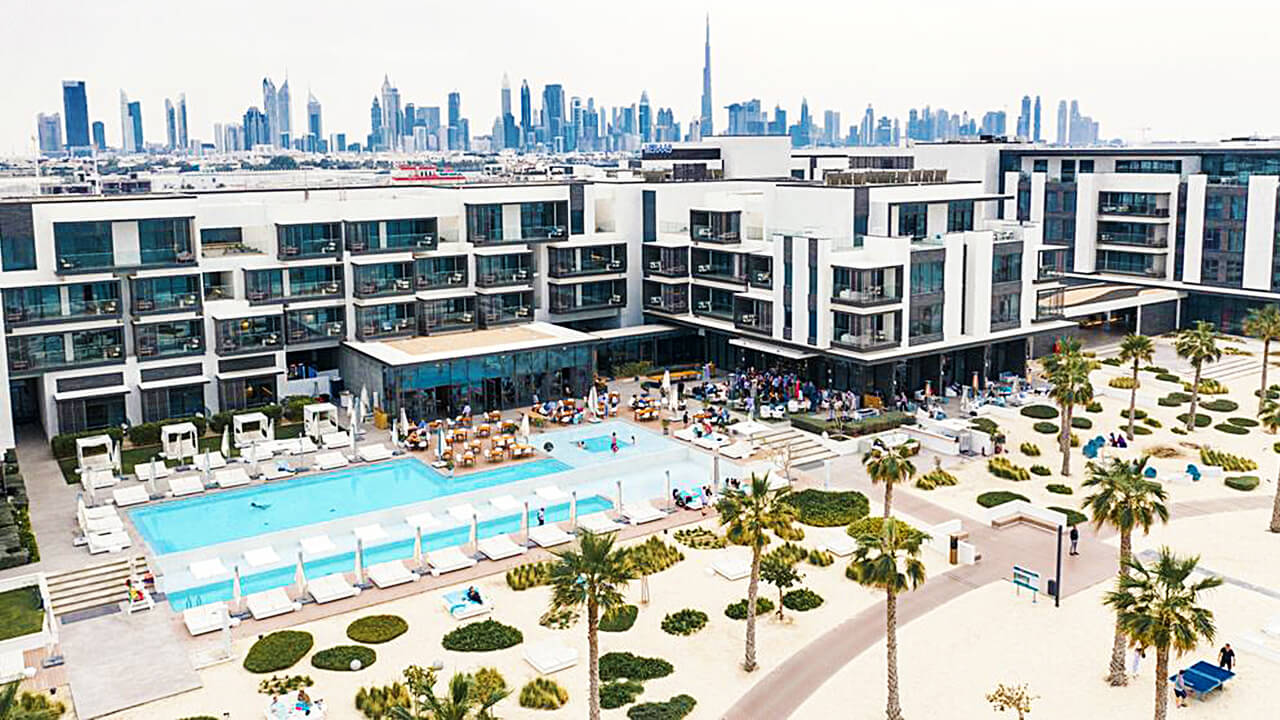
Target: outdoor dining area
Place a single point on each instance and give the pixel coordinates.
(463, 441)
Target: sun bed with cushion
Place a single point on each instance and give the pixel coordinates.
(462, 513)
(423, 521)
(207, 618)
(113, 541)
(317, 545)
(330, 588)
(687, 434)
(732, 567)
(505, 503)
(335, 440)
(371, 534)
(143, 470)
(712, 441)
(499, 547)
(294, 446)
(330, 460)
(447, 560)
(216, 461)
(261, 557)
(461, 608)
(640, 513)
(551, 493)
(550, 656)
(549, 536)
(125, 497)
(186, 485)
(274, 471)
(390, 574)
(270, 603)
(231, 477)
(206, 569)
(373, 452)
(99, 479)
(93, 521)
(598, 523)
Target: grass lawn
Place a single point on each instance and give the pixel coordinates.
(20, 612)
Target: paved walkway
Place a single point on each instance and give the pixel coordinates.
(53, 503)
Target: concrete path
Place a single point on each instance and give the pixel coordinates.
(53, 507)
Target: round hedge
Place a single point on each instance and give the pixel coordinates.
(738, 610)
(482, 636)
(1220, 405)
(374, 629)
(1243, 422)
(1059, 489)
(278, 651)
(801, 600)
(1074, 517)
(1231, 429)
(1094, 407)
(822, 508)
(673, 709)
(1138, 413)
(1040, 470)
(1169, 377)
(616, 693)
(999, 497)
(1242, 482)
(619, 619)
(684, 622)
(1047, 428)
(619, 665)
(1040, 412)
(1081, 423)
(340, 658)
(1202, 420)
(1140, 430)
(545, 694)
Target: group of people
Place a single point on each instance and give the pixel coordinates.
(283, 707)
(1182, 689)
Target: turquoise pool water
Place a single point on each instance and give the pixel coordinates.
(238, 514)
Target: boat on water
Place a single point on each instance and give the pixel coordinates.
(426, 174)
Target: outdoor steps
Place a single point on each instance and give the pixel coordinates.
(1231, 366)
(93, 586)
(803, 447)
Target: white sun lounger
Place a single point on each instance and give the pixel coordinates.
(373, 452)
(460, 608)
(231, 477)
(389, 574)
(641, 512)
(186, 485)
(838, 544)
(143, 470)
(598, 523)
(462, 513)
(125, 497)
(424, 521)
(262, 452)
(95, 522)
(317, 546)
(738, 451)
(206, 569)
(273, 471)
(335, 440)
(550, 656)
(270, 603)
(294, 446)
(107, 542)
(330, 460)
(687, 434)
(95, 513)
(261, 557)
(371, 534)
(712, 441)
(216, 461)
(331, 588)
(549, 536)
(499, 547)
(447, 560)
(100, 479)
(731, 567)
(505, 503)
(551, 493)
(206, 618)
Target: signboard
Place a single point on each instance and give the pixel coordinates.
(1029, 579)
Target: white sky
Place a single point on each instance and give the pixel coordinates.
(1179, 69)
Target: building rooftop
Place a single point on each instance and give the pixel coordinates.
(432, 348)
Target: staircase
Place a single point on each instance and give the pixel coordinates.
(803, 447)
(93, 586)
(1230, 367)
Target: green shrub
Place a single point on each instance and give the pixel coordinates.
(1243, 422)
(1123, 382)
(1047, 428)
(673, 709)
(988, 426)
(823, 508)
(149, 433)
(1275, 447)
(1040, 412)
(999, 497)
(64, 445)
(1178, 430)
(617, 693)
(546, 694)
(293, 405)
(278, 651)
(1002, 468)
(700, 538)
(619, 665)
(1231, 429)
(632, 369)
(875, 526)
(855, 428)
(377, 703)
(936, 477)
(1059, 489)
(1074, 517)
(1202, 420)
(792, 533)
(1242, 482)
(1208, 386)
(482, 636)
(801, 600)
(1273, 392)
(619, 619)
(653, 556)
(279, 685)
(1220, 405)
(558, 619)
(1081, 423)
(1094, 407)
(1154, 369)
(1030, 449)
(1151, 422)
(1140, 430)
(1040, 470)
(341, 657)
(1113, 362)
(523, 577)
(374, 629)
(819, 558)
(738, 610)
(1169, 377)
(684, 622)
(1226, 461)
(1138, 413)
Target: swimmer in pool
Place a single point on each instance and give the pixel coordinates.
(257, 505)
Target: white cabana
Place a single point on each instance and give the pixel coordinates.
(178, 441)
(249, 428)
(319, 419)
(96, 452)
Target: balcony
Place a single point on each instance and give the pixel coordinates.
(723, 228)
(438, 279)
(547, 220)
(867, 333)
(503, 270)
(36, 353)
(505, 309)
(1152, 266)
(866, 288)
(91, 247)
(382, 280)
(1133, 204)
(589, 296)
(246, 335)
(315, 285)
(753, 316)
(381, 322)
(1134, 210)
(318, 325)
(375, 236)
(585, 262)
(314, 240)
(446, 315)
(760, 271)
(666, 262)
(165, 340)
(718, 305)
(672, 299)
(165, 294)
(37, 305)
(264, 286)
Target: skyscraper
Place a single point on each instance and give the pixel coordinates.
(526, 115)
(646, 123)
(284, 111)
(182, 121)
(454, 132)
(392, 117)
(170, 125)
(257, 129)
(375, 126)
(315, 128)
(704, 122)
(553, 116)
(271, 111)
(1035, 131)
(135, 126)
(1063, 136)
(126, 134)
(510, 135)
(75, 107)
(867, 130)
(1024, 118)
(49, 132)
(99, 135)
(831, 127)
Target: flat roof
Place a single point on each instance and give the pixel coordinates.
(633, 331)
(431, 348)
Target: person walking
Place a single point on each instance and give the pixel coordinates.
(1227, 658)
(1075, 540)
(1139, 653)
(1180, 689)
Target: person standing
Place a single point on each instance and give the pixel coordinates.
(1075, 540)
(1180, 689)
(1227, 658)
(1139, 653)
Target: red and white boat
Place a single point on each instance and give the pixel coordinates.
(426, 174)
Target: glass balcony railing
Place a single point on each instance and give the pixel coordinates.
(498, 276)
(447, 316)
(667, 301)
(313, 288)
(148, 301)
(385, 321)
(1135, 239)
(380, 285)
(759, 321)
(505, 309)
(708, 308)
(258, 334)
(315, 325)
(667, 267)
(866, 341)
(1139, 210)
(165, 340)
(435, 279)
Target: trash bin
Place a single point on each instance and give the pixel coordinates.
(955, 550)
(1053, 588)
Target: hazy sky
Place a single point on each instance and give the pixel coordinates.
(1163, 69)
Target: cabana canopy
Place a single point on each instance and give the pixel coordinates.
(319, 419)
(94, 452)
(249, 428)
(178, 441)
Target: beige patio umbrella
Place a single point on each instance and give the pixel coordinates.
(359, 561)
(300, 576)
(573, 509)
(417, 545)
(524, 522)
(235, 587)
(475, 534)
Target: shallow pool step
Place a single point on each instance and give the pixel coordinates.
(93, 586)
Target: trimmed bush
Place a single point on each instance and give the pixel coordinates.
(822, 508)
(64, 445)
(653, 556)
(875, 526)
(1242, 482)
(1074, 517)
(1140, 430)
(619, 665)
(999, 497)
(1081, 423)
(1030, 449)
(1040, 412)
(1113, 362)
(1169, 377)
(1202, 420)
(820, 558)
(1178, 430)
(738, 610)
(1151, 422)
(523, 577)
(341, 657)
(935, 478)
(1208, 386)
(1040, 470)
(700, 538)
(684, 622)
(801, 600)
(1220, 405)
(1273, 392)
(1002, 468)
(988, 426)
(1275, 447)
(673, 709)
(279, 685)
(620, 619)
(377, 702)
(1226, 461)
(374, 629)
(278, 651)
(1058, 489)
(546, 694)
(1231, 429)
(880, 423)
(1138, 413)
(483, 636)
(1154, 369)
(1046, 428)
(558, 619)
(1243, 422)
(1123, 382)
(1094, 407)
(618, 693)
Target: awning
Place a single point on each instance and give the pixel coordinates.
(255, 372)
(91, 392)
(786, 352)
(173, 382)
(381, 258)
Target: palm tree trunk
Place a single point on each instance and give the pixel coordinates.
(1275, 509)
(1162, 683)
(593, 656)
(1262, 392)
(1066, 439)
(892, 711)
(1195, 398)
(749, 664)
(888, 498)
(1133, 399)
(1117, 676)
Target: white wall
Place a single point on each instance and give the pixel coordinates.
(1260, 231)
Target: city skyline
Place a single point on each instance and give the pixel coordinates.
(217, 90)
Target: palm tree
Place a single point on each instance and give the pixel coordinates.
(27, 706)
(592, 575)
(1124, 499)
(1269, 416)
(1157, 607)
(1068, 374)
(1264, 324)
(747, 520)
(459, 703)
(1136, 349)
(890, 466)
(1198, 345)
(890, 561)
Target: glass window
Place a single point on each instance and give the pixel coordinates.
(1006, 268)
(1068, 171)
(83, 245)
(1086, 167)
(926, 320)
(1005, 309)
(649, 209)
(913, 220)
(1151, 166)
(165, 241)
(1040, 165)
(927, 277)
(484, 223)
(18, 253)
(959, 216)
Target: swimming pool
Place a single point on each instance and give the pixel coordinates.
(246, 512)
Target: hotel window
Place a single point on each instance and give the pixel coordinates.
(18, 253)
(925, 322)
(1041, 165)
(1005, 310)
(913, 220)
(649, 210)
(1006, 268)
(927, 278)
(484, 223)
(959, 216)
(1068, 171)
(1086, 167)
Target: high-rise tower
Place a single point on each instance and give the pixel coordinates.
(1035, 130)
(704, 123)
(75, 109)
(526, 115)
(271, 109)
(284, 133)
